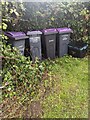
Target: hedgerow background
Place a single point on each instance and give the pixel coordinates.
(34, 16)
(21, 78)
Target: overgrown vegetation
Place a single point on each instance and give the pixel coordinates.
(63, 93)
(20, 74)
(64, 80)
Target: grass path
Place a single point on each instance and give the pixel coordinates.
(69, 97)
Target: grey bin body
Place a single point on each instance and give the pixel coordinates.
(17, 39)
(35, 44)
(49, 43)
(63, 38)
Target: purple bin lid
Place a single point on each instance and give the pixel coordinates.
(64, 30)
(15, 34)
(34, 32)
(49, 31)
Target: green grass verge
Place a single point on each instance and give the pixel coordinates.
(69, 97)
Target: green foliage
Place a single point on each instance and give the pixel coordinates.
(48, 15)
(11, 13)
(21, 75)
(40, 15)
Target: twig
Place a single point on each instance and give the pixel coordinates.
(4, 85)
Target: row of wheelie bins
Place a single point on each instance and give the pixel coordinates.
(47, 43)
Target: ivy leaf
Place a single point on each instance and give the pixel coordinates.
(16, 13)
(9, 89)
(4, 26)
(11, 11)
(52, 18)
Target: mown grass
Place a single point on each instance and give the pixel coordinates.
(69, 96)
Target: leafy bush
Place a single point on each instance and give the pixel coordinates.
(20, 74)
(48, 15)
(40, 15)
